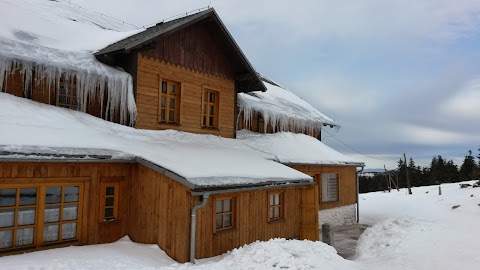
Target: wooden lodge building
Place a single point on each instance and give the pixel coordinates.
(183, 76)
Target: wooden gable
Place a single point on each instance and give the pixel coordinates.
(198, 47)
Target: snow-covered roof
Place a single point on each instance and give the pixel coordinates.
(50, 40)
(282, 109)
(202, 160)
(291, 148)
(59, 25)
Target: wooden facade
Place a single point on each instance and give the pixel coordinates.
(347, 183)
(160, 213)
(88, 177)
(150, 74)
(153, 208)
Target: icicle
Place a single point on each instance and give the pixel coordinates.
(91, 77)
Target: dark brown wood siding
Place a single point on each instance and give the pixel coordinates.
(197, 47)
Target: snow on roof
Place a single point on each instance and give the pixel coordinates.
(291, 148)
(202, 160)
(59, 25)
(282, 109)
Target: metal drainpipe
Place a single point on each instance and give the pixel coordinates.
(358, 190)
(193, 225)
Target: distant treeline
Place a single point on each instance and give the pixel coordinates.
(440, 171)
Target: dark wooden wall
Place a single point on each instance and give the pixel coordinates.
(347, 183)
(197, 47)
(90, 174)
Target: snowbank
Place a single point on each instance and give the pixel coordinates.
(291, 148)
(279, 254)
(421, 231)
(123, 254)
(203, 160)
(282, 110)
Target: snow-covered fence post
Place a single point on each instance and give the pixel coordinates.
(439, 190)
(327, 234)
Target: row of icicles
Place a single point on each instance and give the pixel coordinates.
(116, 87)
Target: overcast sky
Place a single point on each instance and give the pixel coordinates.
(399, 75)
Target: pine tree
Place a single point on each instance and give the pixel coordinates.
(468, 170)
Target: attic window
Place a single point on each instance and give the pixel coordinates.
(169, 101)
(210, 109)
(67, 95)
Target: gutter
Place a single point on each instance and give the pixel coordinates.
(358, 190)
(66, 160)
(240, 189)
(193, 225)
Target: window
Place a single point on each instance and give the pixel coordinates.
(18, 211)
(67, 95)
(224, 214)
(329, 187)
(210, 109)
(169, 102)
(109, 203)
(275, 206)
(33, 216)
(60, 213)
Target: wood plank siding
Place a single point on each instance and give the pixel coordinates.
(89, 176)
(347, 183)
(192, 84)
(160, 212)
(199, 47)
(251, 221)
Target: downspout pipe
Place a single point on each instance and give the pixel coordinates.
(358, 192)
(193, 225)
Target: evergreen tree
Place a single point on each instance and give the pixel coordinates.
(451, 171)
(414, 174)
(437, 170)
(468, 170)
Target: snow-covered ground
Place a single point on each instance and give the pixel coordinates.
(420, 231)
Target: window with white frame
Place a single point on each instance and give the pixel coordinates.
(329, 187)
